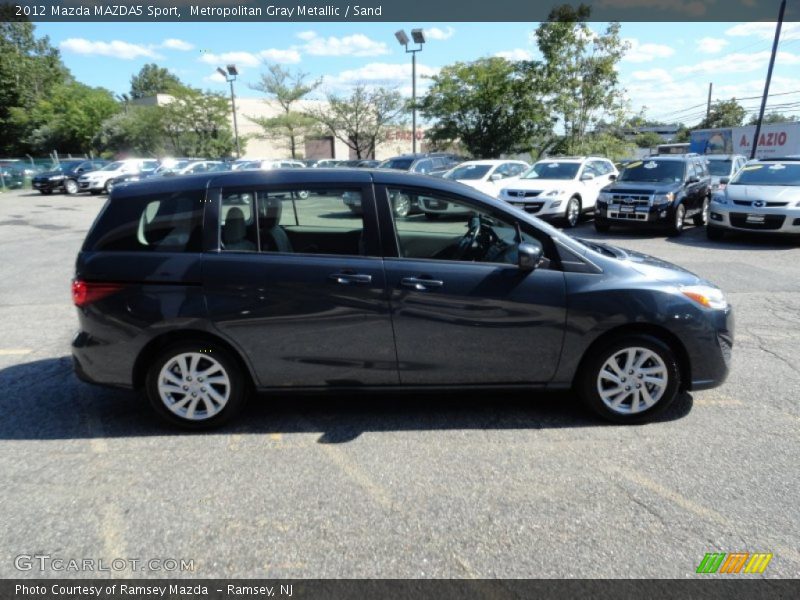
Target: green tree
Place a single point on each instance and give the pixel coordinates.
(648, 139)
(151, 80)
(488, 105)
(773, 117)
(139, 130)
(362, 119)
(29, 69)
(195, 123)
(724, 113)
(285, 89)
(67, 119)
(578, 75)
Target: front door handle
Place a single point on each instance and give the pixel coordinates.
(420, 284)
(350, 278)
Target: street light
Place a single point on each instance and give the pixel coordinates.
(230, 77)
(419, 38)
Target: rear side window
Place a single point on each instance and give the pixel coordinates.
(170, 222)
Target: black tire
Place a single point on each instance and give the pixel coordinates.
(701, 218)
(45, 192)
(714, 233)
(678, 220)
(572, 213)
(94, 192)
(601, 225)
(71, 187)
(587, 380)
(238, 390)
(432, 216)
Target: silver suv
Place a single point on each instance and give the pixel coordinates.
(763, 196)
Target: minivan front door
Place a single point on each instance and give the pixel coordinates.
(296, 285)
(462, 315)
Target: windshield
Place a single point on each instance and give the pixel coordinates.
(468, 172)
(768, 174)
(719, 167)
(114, 166)
(68, 166)
(655, 171)
(552, 170)
(397, 163)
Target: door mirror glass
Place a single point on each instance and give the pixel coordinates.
(612, 177)
(529, 255)
(495, 177)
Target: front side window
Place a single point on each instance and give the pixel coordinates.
(159, 223)
(461, 231)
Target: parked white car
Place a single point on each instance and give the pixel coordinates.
(98, 181)
(561, 188)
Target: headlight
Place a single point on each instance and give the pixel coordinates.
(721, 198)
(706, 296)
(554, 193)
(663, 198)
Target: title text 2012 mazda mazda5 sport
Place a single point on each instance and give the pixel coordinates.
(202, 289)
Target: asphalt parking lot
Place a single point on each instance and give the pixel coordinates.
(461, 486)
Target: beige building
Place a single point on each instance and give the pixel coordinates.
(397, 142)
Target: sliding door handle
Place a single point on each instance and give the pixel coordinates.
(420, 284)
(350, 278)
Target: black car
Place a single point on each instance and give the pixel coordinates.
(64, 177)
(200, 289)
(659, 190)
(11, 177)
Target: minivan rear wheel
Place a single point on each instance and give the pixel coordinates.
(631, 379)
(195, 385)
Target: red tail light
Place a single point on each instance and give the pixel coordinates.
(86, 292)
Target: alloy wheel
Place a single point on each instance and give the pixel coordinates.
(632, 380)
(573, 212)
(194, 386)
(71, 187)
(402, 205)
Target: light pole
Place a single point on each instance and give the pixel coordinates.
(419, 38)
(230, 77)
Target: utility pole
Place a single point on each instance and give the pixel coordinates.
(708, 106)
(769, 79)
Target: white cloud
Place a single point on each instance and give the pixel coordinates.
(646, 52)
(290, 56)
(176, 44)
(708, 45)
(351, 45)
(115, 48)
(654, 75)
(515, 54)
(215, 77)
(382, 75)
(247, 59)
(765, 31)
(739, 63)
(435, 33)
(307, 35)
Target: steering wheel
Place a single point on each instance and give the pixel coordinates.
(465, 243)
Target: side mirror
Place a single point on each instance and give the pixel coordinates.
(495, 177)
(693, 179)
(724, 180)
(80, 170)
(612, 177)
(529, 256)
(587, 177)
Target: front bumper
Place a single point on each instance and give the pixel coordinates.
(749, 218)
(47, 184)
(710, 351)
(541, 206)
(86, 185)
(635, 214)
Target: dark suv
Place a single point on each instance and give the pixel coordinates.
(426, 163)
(659, 190)
(203, 288)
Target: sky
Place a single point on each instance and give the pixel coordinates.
(666, 72)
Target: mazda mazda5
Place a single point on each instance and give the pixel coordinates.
(201, 290)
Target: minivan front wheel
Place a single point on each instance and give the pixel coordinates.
(630, 380)
(195, 385)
